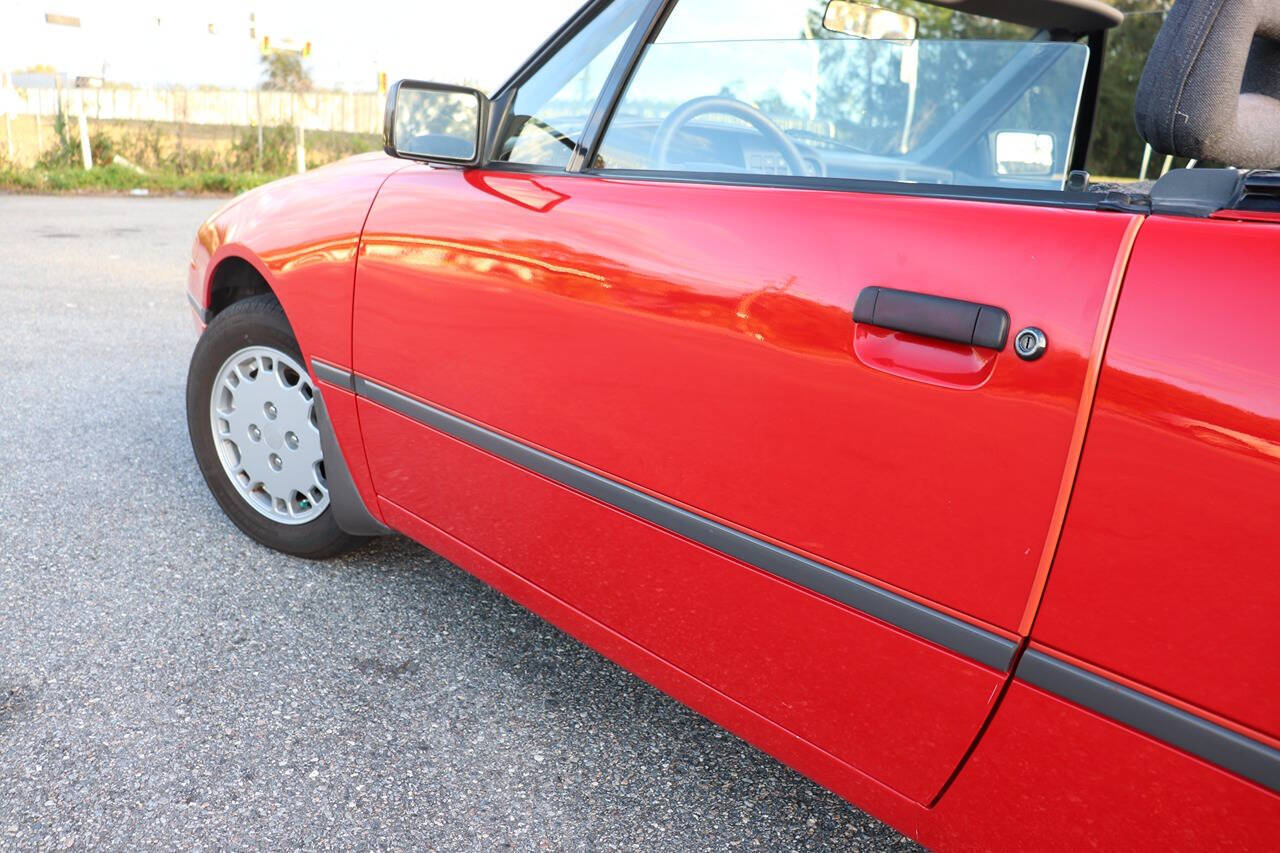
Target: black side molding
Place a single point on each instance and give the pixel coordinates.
(1200, 737)
(940, 628)
(335, 376)
(349, 510)
(933, 317)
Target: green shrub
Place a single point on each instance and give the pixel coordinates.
(277, 150)
(66, 148)
(143, 146)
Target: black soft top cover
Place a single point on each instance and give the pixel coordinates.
(1076, 16)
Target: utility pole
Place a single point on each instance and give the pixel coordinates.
(301, 49)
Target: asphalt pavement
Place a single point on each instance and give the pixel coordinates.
(166, 682)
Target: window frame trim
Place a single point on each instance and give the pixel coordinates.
(643, 32)
(503, 99)
(646, 29)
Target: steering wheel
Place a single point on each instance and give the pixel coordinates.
(660, 151)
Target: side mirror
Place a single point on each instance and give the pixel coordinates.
(1024, 153)
(866, 21)
(435, 123)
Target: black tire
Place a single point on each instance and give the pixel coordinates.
(258, 321)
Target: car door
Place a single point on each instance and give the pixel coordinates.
(645, 391)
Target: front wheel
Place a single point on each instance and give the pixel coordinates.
(251, 414)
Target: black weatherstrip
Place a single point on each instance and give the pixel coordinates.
(958, 636)
(335, 376)
(1213, 743)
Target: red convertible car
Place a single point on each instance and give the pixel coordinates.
(784, 352)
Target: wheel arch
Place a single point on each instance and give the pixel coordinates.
(235, 274)
(298, 240)
(234, 278)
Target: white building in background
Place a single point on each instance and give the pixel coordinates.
(154, 44)
(142, 44)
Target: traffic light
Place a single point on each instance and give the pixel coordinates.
(284, 45)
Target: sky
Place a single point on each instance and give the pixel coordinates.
(149, 43)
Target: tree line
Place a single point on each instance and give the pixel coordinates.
(1115, 148)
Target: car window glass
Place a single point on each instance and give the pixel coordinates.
(724, 91)
(552, 106)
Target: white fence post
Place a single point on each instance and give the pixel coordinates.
(298, 137)
(257, 98)
(85, 153)
(5, 96)
(60, 112)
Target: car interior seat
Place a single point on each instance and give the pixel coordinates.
(1211, 86)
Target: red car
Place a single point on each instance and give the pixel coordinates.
(782, 352)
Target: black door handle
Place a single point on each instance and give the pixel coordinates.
(933, 317)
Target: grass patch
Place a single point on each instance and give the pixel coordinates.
(188, 159)
(122, 179)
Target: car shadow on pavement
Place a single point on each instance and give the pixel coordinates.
(603, 729)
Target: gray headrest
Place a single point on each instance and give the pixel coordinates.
(1211, 88)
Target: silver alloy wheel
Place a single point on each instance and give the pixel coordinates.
(263, 417)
